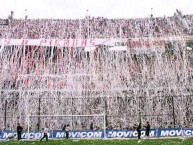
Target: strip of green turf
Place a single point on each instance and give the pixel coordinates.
(103, 142)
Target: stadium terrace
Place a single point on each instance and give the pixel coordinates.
(97, 74)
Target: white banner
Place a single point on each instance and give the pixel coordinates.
(133, 42)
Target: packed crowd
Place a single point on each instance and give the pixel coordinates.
(98, 27)
(19, 66)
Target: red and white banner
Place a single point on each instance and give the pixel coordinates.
(48, 42)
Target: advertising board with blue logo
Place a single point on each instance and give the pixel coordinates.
(58, 134)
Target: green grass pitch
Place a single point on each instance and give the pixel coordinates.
(104, 142)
